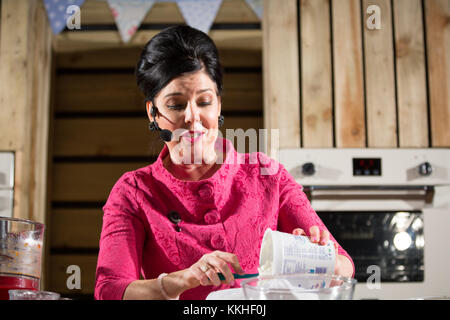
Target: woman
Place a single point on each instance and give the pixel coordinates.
(201, 208)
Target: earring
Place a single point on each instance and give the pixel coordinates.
(221, 120)
(152, 126)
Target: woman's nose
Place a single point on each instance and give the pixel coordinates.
(192, 113)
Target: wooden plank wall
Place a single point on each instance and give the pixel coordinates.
(317, 89)
(348, 78)
(383, 88)
(437, 13)
(281, 81)
(413, 130)
(25, 102)
(101, 126)
(380, 80)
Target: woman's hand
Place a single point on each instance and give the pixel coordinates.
(342, 265)
(316, 236)
(204, 271)
(321, 238)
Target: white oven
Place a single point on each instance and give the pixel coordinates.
(389, 208)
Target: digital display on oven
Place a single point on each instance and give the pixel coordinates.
(367, 166)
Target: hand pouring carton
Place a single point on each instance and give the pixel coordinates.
(283, 253)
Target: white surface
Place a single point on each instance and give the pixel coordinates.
(238, 294)
(6, 183)
(6, 170)
(398, 166)
(227, 294)
(6, 203)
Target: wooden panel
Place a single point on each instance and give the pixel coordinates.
(59, 275)
(75, 228)
(348, 74)
(98, 92)
(120, 137)
(102, 58)
(96, 40)
(411, 78)
(104, 137)
(128, 57)
(438, 46)
(231, 11)
(317, 101)
(13, 54)
(25, 75)
(281, 72)
(88, 181)
(0, 23)
(119, 92)
(380, 80)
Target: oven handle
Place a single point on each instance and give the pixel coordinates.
(427, 196)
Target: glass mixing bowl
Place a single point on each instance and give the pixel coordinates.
(299, 287)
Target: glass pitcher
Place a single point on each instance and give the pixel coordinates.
(21, 244)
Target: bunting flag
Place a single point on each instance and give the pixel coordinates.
(59, 11)
(199, 14)
(128, 15)
(257, 6)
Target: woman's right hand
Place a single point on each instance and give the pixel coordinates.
(204, 271)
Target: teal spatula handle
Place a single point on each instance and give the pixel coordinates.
(239, 276)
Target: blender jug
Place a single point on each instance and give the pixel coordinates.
(20, 255)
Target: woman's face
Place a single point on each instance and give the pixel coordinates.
(189, 107)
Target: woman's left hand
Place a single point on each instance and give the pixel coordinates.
(316, 236)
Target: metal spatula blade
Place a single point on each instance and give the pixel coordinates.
(239, 276)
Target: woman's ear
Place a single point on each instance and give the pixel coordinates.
(149, 108)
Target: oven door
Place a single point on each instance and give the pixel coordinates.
(403, 231)
(388, 242)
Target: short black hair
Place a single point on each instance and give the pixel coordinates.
(173, 52)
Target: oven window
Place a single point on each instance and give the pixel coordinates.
(393, 241)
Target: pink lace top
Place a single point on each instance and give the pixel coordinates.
(229, 211)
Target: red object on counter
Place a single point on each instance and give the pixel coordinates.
(10, 283)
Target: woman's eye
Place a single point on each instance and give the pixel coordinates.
(176, 107)
(182, 106)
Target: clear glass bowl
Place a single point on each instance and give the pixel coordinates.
(33, 295)
(299, 287)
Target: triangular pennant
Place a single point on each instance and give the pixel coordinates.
(199, 14)
(128, 15)
(257, 6)
(59, 11)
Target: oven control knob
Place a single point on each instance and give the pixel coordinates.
(425, 169)
(308, 169)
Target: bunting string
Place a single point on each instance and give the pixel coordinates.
(129, 14)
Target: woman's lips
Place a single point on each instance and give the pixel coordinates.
(193, 136)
